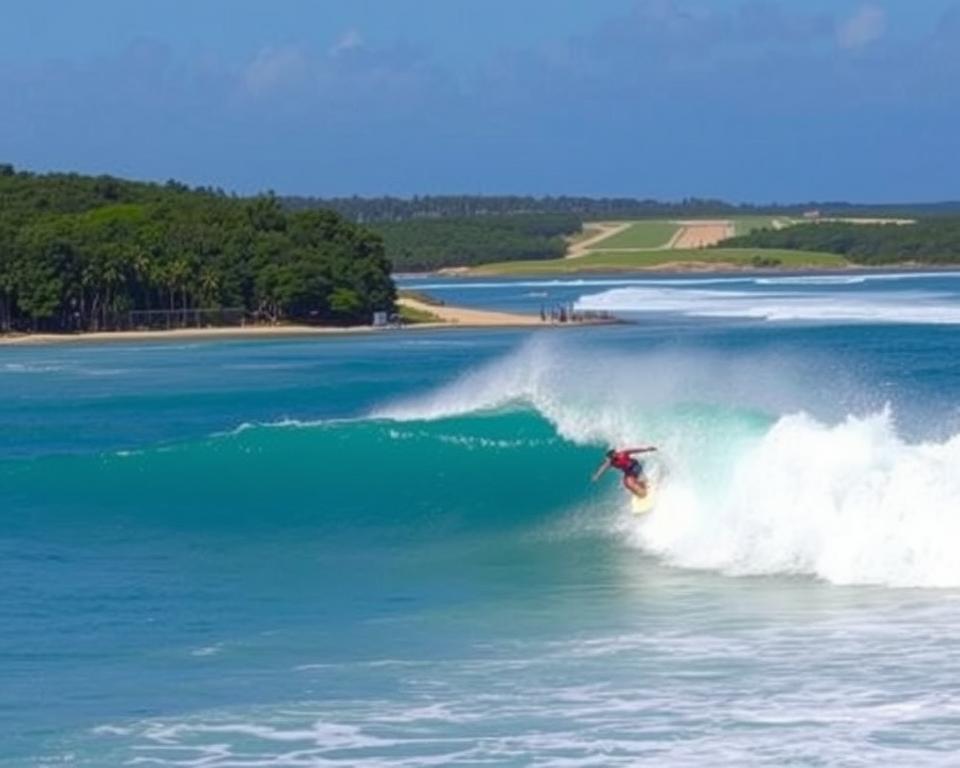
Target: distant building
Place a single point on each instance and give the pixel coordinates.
(811, 215)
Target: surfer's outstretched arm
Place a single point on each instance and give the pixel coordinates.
(645, 449)
(601, 469)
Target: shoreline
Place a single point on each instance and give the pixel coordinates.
(454, 317)
(449, 318)
(682, 268)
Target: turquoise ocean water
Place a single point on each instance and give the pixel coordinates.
(385, 550)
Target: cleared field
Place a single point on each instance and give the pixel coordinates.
(640, 234)
(701, 234)
(664, 260)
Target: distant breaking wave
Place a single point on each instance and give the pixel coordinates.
(900, 307)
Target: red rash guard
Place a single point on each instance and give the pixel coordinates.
(622, 460)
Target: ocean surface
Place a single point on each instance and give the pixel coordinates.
(386, 550)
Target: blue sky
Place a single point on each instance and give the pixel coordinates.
(748, 100)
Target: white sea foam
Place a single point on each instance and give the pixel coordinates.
(31, 367)
(207, 650)
(901, 307)
(850, 503)
(812, 280)
(586, 282)
(853, 279)
(284, 423)
(643, 697)
(470, 442)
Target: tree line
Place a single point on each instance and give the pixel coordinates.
(934, 240)
(81, 253)
(389, 209)
(431, 243)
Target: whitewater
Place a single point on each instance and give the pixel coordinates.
(386, 550)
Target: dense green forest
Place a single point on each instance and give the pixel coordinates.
(377, 209)
(422, 244)
(934, 240)
(91, 253)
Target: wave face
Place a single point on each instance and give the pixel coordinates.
(429, 477)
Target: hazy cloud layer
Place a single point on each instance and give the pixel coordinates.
(752, 100)
(864, 27)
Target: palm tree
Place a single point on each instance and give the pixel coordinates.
(143, 275)
(111, 276)
(209, 286)
(178, 274)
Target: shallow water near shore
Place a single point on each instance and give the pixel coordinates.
(386, 550)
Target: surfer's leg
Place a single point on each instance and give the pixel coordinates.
(636, 485)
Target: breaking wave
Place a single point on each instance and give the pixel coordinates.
(762, 478)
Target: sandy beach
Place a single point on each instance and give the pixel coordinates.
(463, 316)
(447, 317)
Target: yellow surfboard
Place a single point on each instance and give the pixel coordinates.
(646, 504)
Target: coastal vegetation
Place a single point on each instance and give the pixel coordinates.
(744, 225)
(373, 209)
(413, 315)
(80, 253)
(433, 232)
(933, 240)
(425, 244)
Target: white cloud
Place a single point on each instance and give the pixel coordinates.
(866, 26)
(275, 67)
(348, 41)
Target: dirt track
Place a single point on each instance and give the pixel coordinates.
(603, 230)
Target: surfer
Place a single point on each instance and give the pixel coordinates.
(633, 478)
